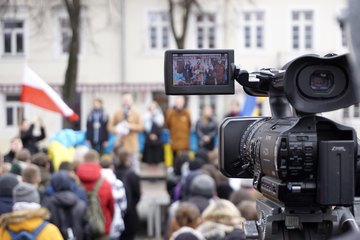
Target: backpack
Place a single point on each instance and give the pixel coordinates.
(66, 231)
(25, 235)
(94, 214)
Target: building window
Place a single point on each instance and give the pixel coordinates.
(302, 30)
(253, 30)
(66, 34)
(159, 30)
(352, 111)
(206, 30)
(13, 37)
(14, 112)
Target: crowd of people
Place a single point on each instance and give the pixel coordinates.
(95, 196)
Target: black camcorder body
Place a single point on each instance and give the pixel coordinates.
(298, 161)
(295, 157)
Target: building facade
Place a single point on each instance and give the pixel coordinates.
(123, 44)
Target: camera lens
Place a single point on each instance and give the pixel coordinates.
(321, 81)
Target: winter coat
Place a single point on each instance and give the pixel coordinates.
(96, 127)
(30, 141)
(28, 220)
(179, 124)
(153, 149)
(67, 211)
(206, 129)
(6, 204)
(118, 190)
(133, 193)
(130, 142)
(89, 173)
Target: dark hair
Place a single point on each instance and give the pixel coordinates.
(179, 161)
(67, 166)
(40, 159)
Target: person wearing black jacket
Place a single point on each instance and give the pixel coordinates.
(28, 139)
(153, 123)
(206, 129)
(68, 212)
(96, 127)
(131, 181)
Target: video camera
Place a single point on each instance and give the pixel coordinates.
(303, 163)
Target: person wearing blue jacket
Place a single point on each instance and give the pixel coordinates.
(7, 184)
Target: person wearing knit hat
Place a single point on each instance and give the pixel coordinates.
(7, 184)
(202, 191)
(27, 216)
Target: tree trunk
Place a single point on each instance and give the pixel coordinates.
(69, 88)
(186, 7)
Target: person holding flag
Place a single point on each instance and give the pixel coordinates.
(28, 139)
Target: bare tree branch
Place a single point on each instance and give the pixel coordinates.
(186, 6)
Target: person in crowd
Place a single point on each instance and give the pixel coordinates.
(119, 194)
(42, 161)
(198, 73)
(153, 123)
(178, 122)
(31, 174)
(27, 136)
(201, 193)
(27, 217)
(187, 219)
(5, 167)
(23, 158)
(220, 72)
(131, 181)
(239, 196)
(247, 209)
(89, 173)
(194, 169)
(126, 124)
(7, 183)
(76, 186)
(234, 109)
(221, 219)
(15, 146)
(174, 175)
(96, 127)
(206, 129)
(67, 211)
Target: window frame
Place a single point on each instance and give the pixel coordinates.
(156, 29)
(251, 39)
(13, 38)
(209, 31)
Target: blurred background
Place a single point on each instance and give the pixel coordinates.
(120, 46)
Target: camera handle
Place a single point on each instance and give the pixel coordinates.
(270, 83)
(278, 222)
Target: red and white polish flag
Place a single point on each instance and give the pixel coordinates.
(36, 91)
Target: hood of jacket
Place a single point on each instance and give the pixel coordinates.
(24, 220)
(109, 175)
(88, 172)
(65, 199)
(61, 181)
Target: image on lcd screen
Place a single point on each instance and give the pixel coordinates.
(200, 69)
